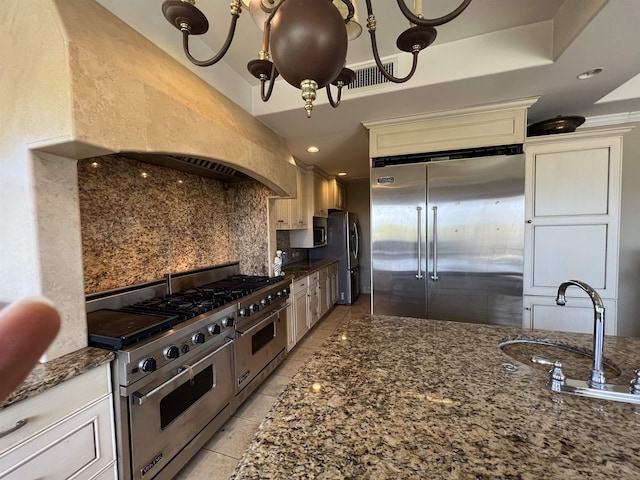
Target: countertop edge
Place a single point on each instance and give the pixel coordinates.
(298, 270)
(52, 373)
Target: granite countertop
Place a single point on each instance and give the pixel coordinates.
(402, 398)
(54, 372)
(302, 269)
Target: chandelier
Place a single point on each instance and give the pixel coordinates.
(307, 40)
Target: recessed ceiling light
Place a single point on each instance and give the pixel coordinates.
(313, 149)
(590, 73)
(342, 174)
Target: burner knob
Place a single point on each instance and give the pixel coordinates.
(214, 329)
(171, 352)
(254, 307)
(227, 322)
(198, 338)
(148, 364)
(185, 348)
(245, 312)
(265, 301)
(271, 297)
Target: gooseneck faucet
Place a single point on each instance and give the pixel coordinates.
(596, 378)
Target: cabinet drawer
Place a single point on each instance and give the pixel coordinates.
(299, 285)
(52, 405)
(313, 278)
(81, 445)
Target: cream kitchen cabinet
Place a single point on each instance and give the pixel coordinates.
(572, 207)
(323, 291)
(298, 324)
(320, 195)
(67, 432)
(333, 282)
(313, 307)
(294, 214)
(337, 194)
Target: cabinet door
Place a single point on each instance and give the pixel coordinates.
(313, 306)
(320, 193)
(300, 305)
(300, 214)
(572, 199)
(282, 214)
(337, 195)
(333, 277)
(323, 304)
(576, 316)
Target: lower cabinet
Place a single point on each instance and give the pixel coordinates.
(311, 298)
(313, 310)
(576, 316)
(66, 432)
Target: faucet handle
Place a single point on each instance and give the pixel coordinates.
(634, 385)
(557, 378)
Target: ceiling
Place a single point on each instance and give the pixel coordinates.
(496, 50)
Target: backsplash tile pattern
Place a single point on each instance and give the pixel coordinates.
(141, 221)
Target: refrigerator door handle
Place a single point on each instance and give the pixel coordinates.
(419, 273)
(434, 277)
(357, 239)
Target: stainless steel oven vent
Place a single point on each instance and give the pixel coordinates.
(194, 165)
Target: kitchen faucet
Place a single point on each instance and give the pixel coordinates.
(596, 378)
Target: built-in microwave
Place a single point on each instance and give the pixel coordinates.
(319, 236)
(313, 237)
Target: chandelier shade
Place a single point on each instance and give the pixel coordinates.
(308, 40)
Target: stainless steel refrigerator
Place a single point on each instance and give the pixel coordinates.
(447, 239)
(343, 244)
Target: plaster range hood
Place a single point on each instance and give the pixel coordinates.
(193, 165)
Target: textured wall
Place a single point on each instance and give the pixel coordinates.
(137, 229)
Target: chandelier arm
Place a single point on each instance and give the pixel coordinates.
(337, 102)
(216, 58)
(431, 22)
(351, 10)
(383, 70)
(272, 78)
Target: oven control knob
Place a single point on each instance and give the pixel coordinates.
(148, 364)
(265, 301)
(185, 348)
(214, 329)
(245, 312)
(171, 352)
(254, 307)
(271, 297)
(227, 322)
(198, 338)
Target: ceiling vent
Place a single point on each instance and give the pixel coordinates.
(369, 76)
(194, 165)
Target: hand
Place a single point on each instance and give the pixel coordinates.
(27, 328)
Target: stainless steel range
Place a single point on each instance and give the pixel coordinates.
(189, 351)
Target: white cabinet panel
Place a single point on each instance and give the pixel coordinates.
(565, 252)
(572, 183)
(576, 316)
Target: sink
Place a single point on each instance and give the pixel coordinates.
(576, 361)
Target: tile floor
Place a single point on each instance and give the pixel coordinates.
(218, 458)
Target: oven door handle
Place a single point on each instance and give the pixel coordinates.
(140, 398)
(262, 321)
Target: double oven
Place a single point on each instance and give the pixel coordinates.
(189, 350)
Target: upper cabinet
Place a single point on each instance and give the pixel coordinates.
(481, 126)
(294, 214)
(572, 210)
(320, 188)
(337, 194)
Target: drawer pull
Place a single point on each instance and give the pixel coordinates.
(19, 424)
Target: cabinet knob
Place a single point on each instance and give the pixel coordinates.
(529, 221)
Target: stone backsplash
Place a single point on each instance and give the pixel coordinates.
(141, 221)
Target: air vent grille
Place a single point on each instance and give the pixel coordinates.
(200, 162)
(369, 76)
